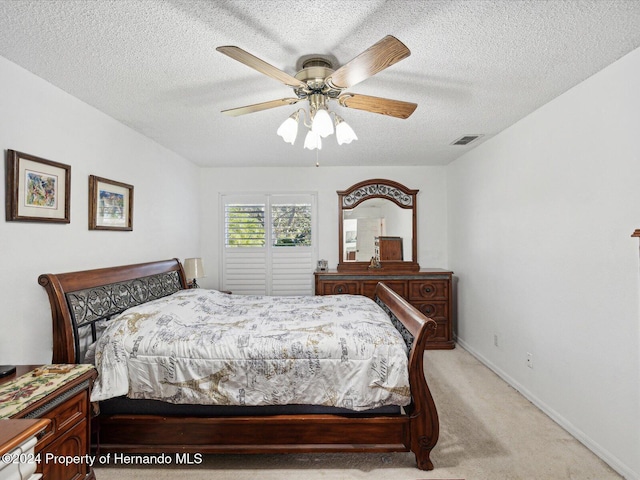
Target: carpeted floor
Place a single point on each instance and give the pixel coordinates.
(488, 431)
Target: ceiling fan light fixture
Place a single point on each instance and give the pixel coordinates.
(322, 124)
(318, 82)
(344, 132)
(313, 141)
(288, 130)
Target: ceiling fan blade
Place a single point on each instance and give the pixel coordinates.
(261, 66)
(384, 106)
(257, 107)
(374, 59)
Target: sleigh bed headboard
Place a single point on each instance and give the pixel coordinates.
(80, 301)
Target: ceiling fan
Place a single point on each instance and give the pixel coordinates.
(318, 83)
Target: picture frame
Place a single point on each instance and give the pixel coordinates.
(37, 189)
(110, 204)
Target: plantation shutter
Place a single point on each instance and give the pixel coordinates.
(268, 244)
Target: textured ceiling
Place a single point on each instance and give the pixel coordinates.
(476, 67)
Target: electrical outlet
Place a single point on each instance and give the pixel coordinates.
(529, 360)
(495, 339)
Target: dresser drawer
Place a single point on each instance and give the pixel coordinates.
(442, 333)
(339, 287)
(428, 290)
(434, 310)
(64, 416)
(398, 286)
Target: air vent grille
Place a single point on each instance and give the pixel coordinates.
(466, 139)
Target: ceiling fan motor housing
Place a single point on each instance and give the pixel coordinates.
(314, 73)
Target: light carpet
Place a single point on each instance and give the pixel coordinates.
(488, 431)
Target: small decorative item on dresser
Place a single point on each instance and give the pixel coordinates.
(323, 265)
(374, 263)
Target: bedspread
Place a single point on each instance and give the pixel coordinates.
(205, 347)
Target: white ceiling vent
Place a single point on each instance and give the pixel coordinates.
(466, 139)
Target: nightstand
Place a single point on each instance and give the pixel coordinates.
(63, 398)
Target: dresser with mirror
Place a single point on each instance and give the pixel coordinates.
(377, 232)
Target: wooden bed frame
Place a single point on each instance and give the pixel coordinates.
(416, 429)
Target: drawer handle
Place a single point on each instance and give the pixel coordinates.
(339, 289)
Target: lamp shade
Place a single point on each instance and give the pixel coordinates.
(312, 141)
(193, 268)
(289, 129)
(344, 132)
(322, 124)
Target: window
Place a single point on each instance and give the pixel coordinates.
(268, 246)
(244, 225)
(291, 225)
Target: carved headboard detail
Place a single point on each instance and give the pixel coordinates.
(83, 301)
(97, 303)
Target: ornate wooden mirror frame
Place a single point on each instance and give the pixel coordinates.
(395, 192)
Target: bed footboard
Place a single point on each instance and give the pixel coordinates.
(425, 425)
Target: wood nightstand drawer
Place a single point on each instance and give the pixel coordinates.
(71, 443)
(65, 416)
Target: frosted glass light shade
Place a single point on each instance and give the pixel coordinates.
(344, 132)
(313, 141)
(289, 129)
(322, 124)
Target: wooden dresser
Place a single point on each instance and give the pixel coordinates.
(429, 290)
(63, 398)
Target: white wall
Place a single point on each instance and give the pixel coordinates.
(44, 121)
(325, 181)
(540, 219)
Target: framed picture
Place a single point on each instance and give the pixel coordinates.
(38, 190)
(110, 204)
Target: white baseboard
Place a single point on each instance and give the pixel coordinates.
(604, 454)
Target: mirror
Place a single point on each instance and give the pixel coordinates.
(380, 223)
(377, 220)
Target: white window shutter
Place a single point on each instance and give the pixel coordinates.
(248, 269)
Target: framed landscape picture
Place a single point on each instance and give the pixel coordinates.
(38, 190)
(110, 204)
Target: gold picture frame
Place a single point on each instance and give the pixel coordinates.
(110, 204)
(38, 190)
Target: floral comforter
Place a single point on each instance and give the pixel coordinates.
(206, 347)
